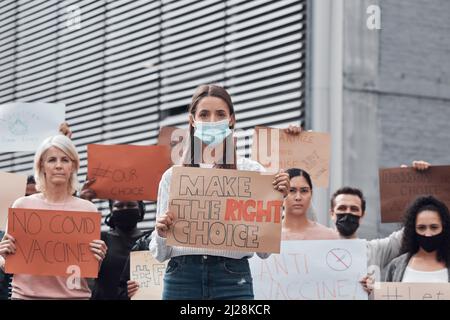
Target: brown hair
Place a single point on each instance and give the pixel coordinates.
(193, 155)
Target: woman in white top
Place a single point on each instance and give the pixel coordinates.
(198, 273)
(426, 243)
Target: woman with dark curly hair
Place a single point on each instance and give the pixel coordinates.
(426, 244)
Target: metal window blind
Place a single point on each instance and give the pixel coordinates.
(132, 66)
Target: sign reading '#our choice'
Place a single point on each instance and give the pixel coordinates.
(127, 172)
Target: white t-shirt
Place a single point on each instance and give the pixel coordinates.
(412, 275)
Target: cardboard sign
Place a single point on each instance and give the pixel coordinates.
(399, 187)
(23, 126)
(12, 187)
(411, 291)
(312, 270)
(225, 209)
(310, 151)
(53, 242)
(174, 138)
(149, 273)
(126, 172)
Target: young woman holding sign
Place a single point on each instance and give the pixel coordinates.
(56, 164)
(426, 243)
(198, 273)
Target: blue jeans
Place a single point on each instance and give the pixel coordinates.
(203, 277)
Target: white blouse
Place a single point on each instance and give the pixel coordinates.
(412, 275)
(158, 247)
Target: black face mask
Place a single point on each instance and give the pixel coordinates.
(125, 219)
(430, 244)
(347, 223)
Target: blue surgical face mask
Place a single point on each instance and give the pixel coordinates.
(212, 133)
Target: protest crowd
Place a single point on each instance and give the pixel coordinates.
(227, 227)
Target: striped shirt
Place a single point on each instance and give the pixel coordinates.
(158, 247)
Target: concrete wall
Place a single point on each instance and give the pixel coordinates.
(396, 93)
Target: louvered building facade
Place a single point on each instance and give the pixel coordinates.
(124, 68)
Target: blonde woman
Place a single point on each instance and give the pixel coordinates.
(56, 163)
